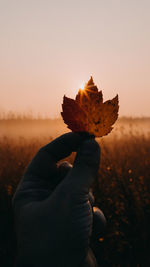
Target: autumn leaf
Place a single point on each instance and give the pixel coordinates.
(88, 113)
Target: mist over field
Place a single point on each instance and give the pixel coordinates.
(122, 189)
(28, 127)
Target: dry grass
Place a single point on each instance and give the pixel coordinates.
(122, 190)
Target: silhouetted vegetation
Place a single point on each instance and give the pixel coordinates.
(122, 189)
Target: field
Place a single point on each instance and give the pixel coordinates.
(122, 189)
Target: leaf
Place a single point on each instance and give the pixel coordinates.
(74, 116)
(88, 113)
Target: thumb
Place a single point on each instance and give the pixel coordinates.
(85, 167)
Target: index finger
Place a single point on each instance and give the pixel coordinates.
(42, 173)
(44, 162)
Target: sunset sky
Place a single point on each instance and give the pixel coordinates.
(49, 47)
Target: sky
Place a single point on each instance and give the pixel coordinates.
(48, 48)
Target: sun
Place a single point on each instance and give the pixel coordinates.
(82, 85)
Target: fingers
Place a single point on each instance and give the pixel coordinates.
(99, 223)
(34, 189)
(91, 198)
(99, 220)
(63, 170)
(62, 146)
(42, 173)
(43, 164)
(85, 167)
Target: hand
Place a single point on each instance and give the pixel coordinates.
(52, 205)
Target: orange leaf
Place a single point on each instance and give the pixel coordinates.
(74, 116)
(88, 113)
